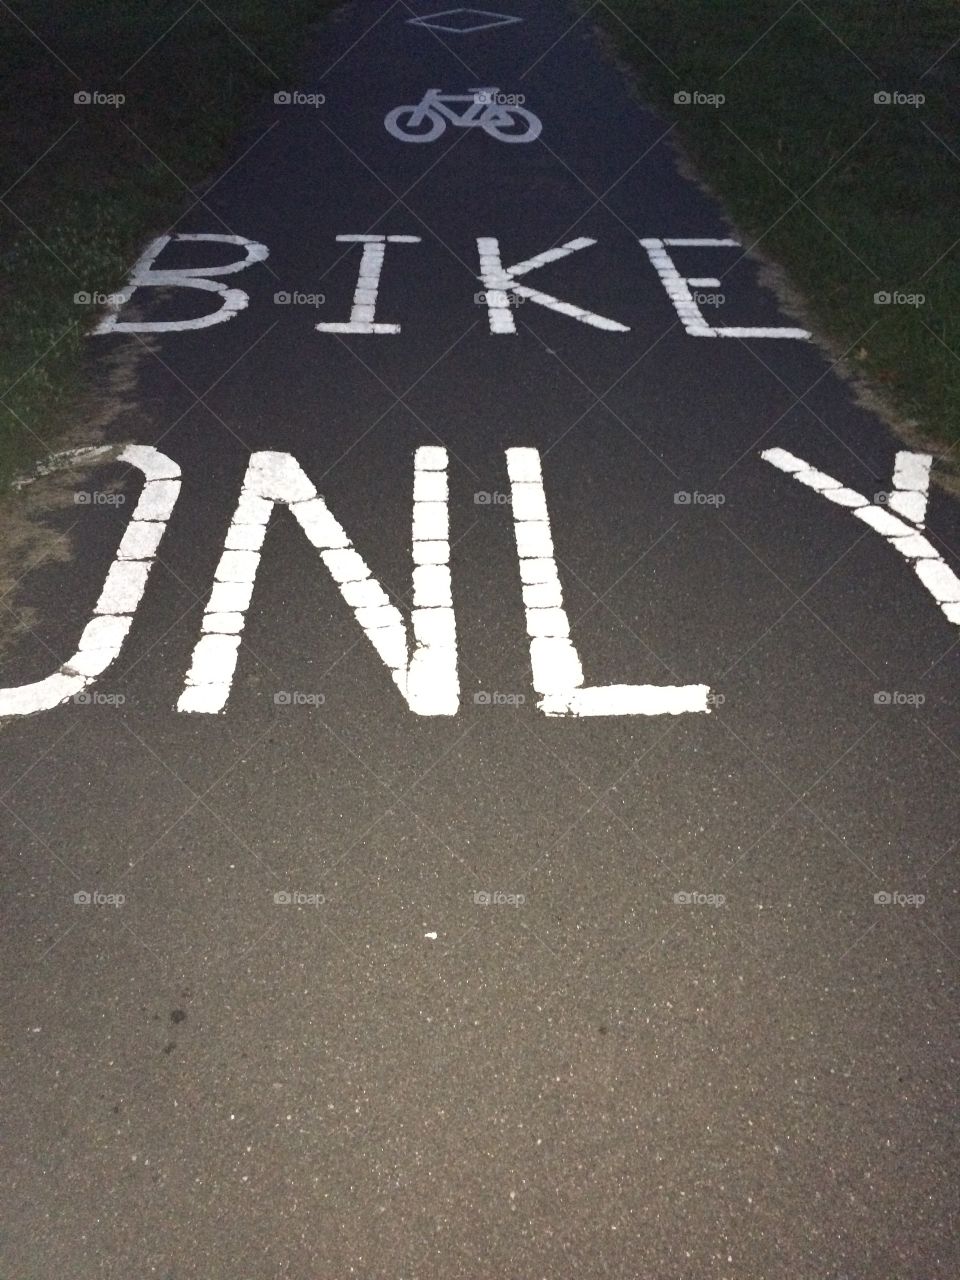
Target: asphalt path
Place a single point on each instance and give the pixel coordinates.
(364, 988)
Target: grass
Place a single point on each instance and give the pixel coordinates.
(851, 196)
(81, 186)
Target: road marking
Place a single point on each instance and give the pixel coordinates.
(487, 108)
(144, 275)
(911, 484)
(499, 282)
(557, 671)
(60, 461)
(423, 666)
(426, 677)
(502, 287)
(430, 21)
(123, 589)
(368, 283)
(911, 481)
(678, 291)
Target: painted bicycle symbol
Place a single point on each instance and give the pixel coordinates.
(497, 113)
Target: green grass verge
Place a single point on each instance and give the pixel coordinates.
(852, 196)
(82, 185)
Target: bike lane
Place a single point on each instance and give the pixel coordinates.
(605, 988)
